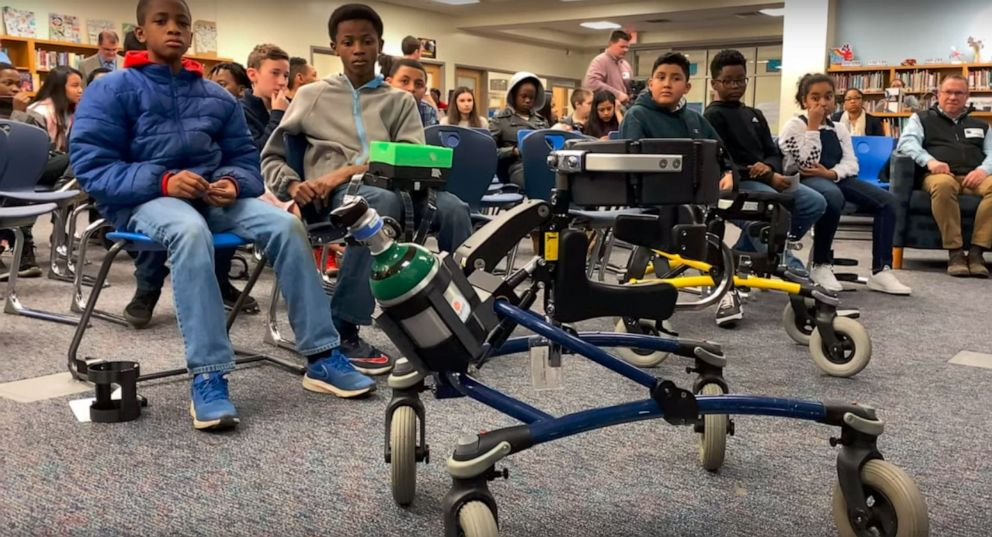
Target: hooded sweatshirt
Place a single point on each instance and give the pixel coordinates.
(744, 131)
(648, 119)
(506, 123)
(335, 137)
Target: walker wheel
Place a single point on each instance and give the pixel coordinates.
(713, 439)
(475, 519)
(855, 349)
(640, 357)
(403, 455)
(896, 506)
(798, 334)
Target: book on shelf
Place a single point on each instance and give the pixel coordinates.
(870, 81)
(980, 79)
(893, 99)
(50, 59)
(27, 81)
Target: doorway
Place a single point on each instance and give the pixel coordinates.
(473, 79)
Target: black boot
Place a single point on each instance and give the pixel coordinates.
(230, 294)
(29, 265)
(138, 312)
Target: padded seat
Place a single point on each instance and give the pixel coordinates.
(919, 203)
(142, 242)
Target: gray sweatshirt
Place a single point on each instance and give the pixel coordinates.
(339, 121)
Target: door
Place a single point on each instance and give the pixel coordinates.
(473, 79)
(434, 78)
(559, 101)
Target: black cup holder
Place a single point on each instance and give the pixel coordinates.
(107, 374)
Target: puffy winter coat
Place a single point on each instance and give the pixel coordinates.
(137, 126)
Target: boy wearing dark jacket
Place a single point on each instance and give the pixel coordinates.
(524, 97)
(267, 100)
(167, 154)
(744, 131)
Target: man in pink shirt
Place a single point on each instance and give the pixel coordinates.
(609, 71)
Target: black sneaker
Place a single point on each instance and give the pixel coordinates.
(230, 294)
(29, 266)
(366, 358)
(730, 310)
(138, 312)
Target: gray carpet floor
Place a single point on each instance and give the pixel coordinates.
(306, 464)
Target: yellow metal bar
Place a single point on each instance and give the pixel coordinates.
(675, 260)
(767, 283)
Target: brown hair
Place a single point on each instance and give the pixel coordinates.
(578, 96)
(455, 117)
(953, 76)
(265, 51)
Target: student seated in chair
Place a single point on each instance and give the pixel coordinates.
(167, 153)
(339, 148)
(662, 113)
(524, 98)
(855, 118)
(822, 153)
(410, 76)
(744, 131)
(956, 150)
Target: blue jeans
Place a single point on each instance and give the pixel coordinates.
(869, 198)
(187, 234)
(150, 270)
(353, 301)
(808, 206)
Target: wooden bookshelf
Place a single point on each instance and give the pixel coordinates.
(23, 52)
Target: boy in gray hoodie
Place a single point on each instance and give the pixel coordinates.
(340, 116)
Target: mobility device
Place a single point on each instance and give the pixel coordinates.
(448, 314)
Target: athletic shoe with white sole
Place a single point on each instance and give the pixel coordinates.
(336, 375)
(823, 275)
(210, 405)
(730, 311)
(886, 282)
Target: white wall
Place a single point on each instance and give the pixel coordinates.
(295, 25)
(806, 34)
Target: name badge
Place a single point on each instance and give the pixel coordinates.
(625, 75)
(974, 133)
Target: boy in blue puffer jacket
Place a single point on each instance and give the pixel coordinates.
(168, 154)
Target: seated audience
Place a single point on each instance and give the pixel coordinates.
(581, 100)
(410, 76)
(339, 148)
(956, 151)
(130, 150)
(463, 112)
(854, 117)
(908, 101)
(605, 117)
(821, 152)
(267, 100)
(232, 77)
(757, 161)
(300, 74)
(525, 95)
(442, 106)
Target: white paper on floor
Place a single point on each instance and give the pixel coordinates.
(81, 407)
(973, 359)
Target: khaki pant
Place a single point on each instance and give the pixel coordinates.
(944, 190)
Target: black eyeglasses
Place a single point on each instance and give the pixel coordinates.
(732, 81)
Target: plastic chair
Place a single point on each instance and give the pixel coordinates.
(79, 367)
(873, 153)
(18, 186)
(473, 163)
(613, 135)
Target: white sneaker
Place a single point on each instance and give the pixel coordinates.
(823, 275)
(730, 310)
(886, 282)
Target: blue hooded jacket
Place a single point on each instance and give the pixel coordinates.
(135, 127)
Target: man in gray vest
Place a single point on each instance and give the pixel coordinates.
(956, 150)
(106, 57)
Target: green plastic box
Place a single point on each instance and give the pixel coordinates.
(410, 155)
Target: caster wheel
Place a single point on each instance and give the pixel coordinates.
(476, 520)
(713, 439)
(640, 357)
(403, 455)
(799, 335)
(896, 507)
(856, 349)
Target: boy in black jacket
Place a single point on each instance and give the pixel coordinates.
(745, 133)
(268, 99)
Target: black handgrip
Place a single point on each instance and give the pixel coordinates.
(349, 213)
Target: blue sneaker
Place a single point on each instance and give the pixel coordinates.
(336, 375)
(210, 404)
(795, 265)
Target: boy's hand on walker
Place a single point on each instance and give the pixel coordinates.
(303, 192)
(186, 185)
(221, 193)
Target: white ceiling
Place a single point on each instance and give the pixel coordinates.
(550, 21)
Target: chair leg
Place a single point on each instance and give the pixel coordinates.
(897, 258)
(13, 304)
(272, 335)
(61, 245)
(78, 304)
(78, 367)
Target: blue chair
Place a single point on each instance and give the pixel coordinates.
(125, 240)
(25, 150)
(473, 163)
(613, 135)
(873, 153)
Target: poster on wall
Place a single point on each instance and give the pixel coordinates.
(205, 38)
(428, 48)
(64, 28)
(19, 22)
(94, 27)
